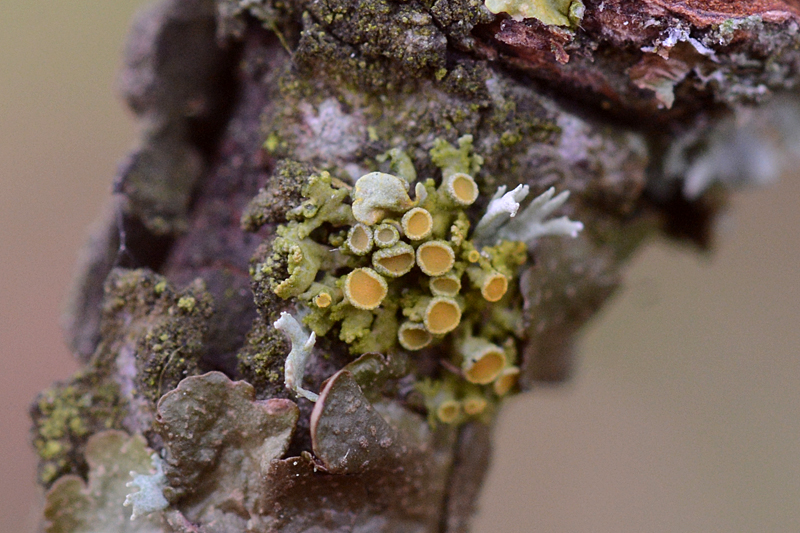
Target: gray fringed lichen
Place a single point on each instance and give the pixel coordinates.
(149, 497)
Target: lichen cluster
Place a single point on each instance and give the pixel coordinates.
(387, 270)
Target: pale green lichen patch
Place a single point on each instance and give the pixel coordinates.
(75, 506)
(296, 361)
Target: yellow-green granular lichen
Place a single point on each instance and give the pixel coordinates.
(394, 265)
(65, 416)
(186, 303)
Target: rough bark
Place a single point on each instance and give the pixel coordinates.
(647, 111)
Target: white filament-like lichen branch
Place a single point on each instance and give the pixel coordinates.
(302, 346)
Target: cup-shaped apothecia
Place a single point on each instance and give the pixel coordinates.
(506, 381)
(395, 261)
(365, 288)
(447, 285)
(359, 239)
(459, 188)
(435, 258)
(492, 284)
(442, 315)
(482, 361)
(385, 235)
(417, 224)
(413, 336)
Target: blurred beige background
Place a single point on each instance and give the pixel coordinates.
(684, 415)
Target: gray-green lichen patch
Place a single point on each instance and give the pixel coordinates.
(281, 195)
(75, 506)
(219, 444)
(152, 336)
(752, 146)
(298, 358)
(149, 494)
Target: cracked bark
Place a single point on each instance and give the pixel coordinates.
(634, 112)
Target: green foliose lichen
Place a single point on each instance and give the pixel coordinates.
(77, 505)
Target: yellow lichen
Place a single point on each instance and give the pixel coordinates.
(492, 284)
(460, 188)
(377, 194)
(448, 411)
(482, 360)
(474, 404)
(323, 300)
(389, 271)
(447, 285)
(359, 239)
(551, 12)
(386, 235)
(395, 261)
